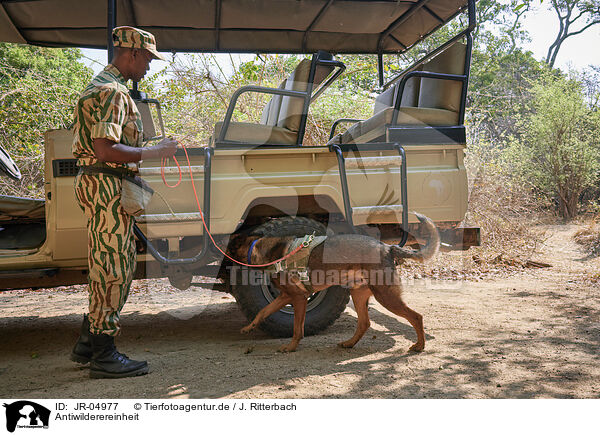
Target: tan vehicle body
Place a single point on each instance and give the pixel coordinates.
(260, 178)
(247, 184)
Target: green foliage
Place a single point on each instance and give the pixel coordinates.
(500, 89)
(38, 90)
(501, 73)
(195, 91)
(523, 118)
(559, 150)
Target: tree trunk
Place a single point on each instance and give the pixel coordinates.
(587, 13)
(568, 207)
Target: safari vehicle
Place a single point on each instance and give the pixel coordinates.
(259, 177)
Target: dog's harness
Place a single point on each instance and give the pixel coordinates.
(297, 263)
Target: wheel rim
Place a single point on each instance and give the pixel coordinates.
(270, 293)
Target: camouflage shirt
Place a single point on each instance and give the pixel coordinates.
(105, 110)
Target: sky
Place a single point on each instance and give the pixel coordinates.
(577, 52)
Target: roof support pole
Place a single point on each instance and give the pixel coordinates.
(313, 23)
(433, 14)
(110, 25)
(380, 69)
(472, 15)
(217, 25)
(403, 18)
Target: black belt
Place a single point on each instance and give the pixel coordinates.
(89, 170)
(123, 173)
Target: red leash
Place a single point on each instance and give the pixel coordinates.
(162, 173)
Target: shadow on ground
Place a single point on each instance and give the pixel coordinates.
(206, 357)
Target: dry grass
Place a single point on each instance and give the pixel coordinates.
(589, 238)
(508, 216)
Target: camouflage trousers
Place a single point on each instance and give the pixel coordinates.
(111, 249)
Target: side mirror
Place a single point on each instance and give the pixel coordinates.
(8, 166)
(150, 126)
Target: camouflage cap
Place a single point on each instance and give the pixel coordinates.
(126, 36)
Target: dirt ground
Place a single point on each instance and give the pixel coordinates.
(532, 334)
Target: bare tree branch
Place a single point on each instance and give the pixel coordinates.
(13, 91)
(584, 28)
(565, 10)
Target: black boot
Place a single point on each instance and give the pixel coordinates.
(82, 351)
(107, 362)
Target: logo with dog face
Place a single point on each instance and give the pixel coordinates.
(27, 415)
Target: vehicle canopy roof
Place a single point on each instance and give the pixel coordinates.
(267, 26)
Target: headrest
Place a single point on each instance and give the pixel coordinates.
(324, 55)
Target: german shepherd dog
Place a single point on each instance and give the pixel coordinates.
(363, 264)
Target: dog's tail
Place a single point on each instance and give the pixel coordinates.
(426, 252)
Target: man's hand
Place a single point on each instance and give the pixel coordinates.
(164, 149)
(109, 151)
(167, 147)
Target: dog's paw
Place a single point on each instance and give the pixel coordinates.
(346, 344)
(287, 348)
(247, 329)
(417, 347)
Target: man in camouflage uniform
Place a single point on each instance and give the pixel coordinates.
(107, 140)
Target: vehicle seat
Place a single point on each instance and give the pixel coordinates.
(425, 101)
(15, 209)
(282, 116)
(22, 222)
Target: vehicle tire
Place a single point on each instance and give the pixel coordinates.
(323, 308)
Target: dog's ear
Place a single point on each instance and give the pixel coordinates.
(238, 247)
(256, 256)
(268, 249)
(262, 249)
